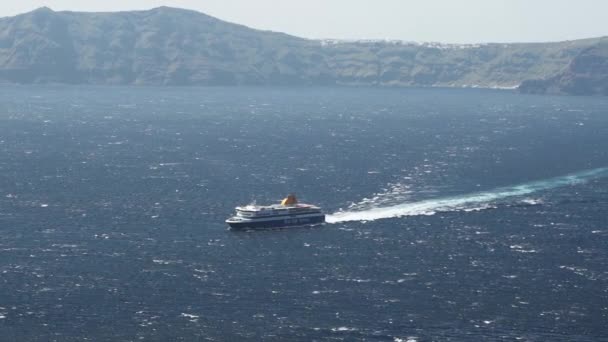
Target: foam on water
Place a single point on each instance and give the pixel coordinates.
(468, 202)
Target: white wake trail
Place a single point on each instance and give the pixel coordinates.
(468, 202)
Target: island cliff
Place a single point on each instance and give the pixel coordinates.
(168, 46)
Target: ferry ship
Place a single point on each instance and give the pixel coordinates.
(287, 214)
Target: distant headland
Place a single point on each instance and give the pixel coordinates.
(169, 46)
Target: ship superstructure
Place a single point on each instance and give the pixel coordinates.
(286, 214)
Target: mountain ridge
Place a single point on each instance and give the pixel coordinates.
(173, 46)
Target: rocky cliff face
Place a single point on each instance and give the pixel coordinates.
(488, 65)
(167, 46)
(163, 46)
(587, 74)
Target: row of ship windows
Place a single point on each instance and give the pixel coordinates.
(267, 213)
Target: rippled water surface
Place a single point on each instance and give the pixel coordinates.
(455, 215)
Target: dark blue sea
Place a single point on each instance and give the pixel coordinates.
(454, 214)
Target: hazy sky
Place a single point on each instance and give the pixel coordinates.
(450, 21)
